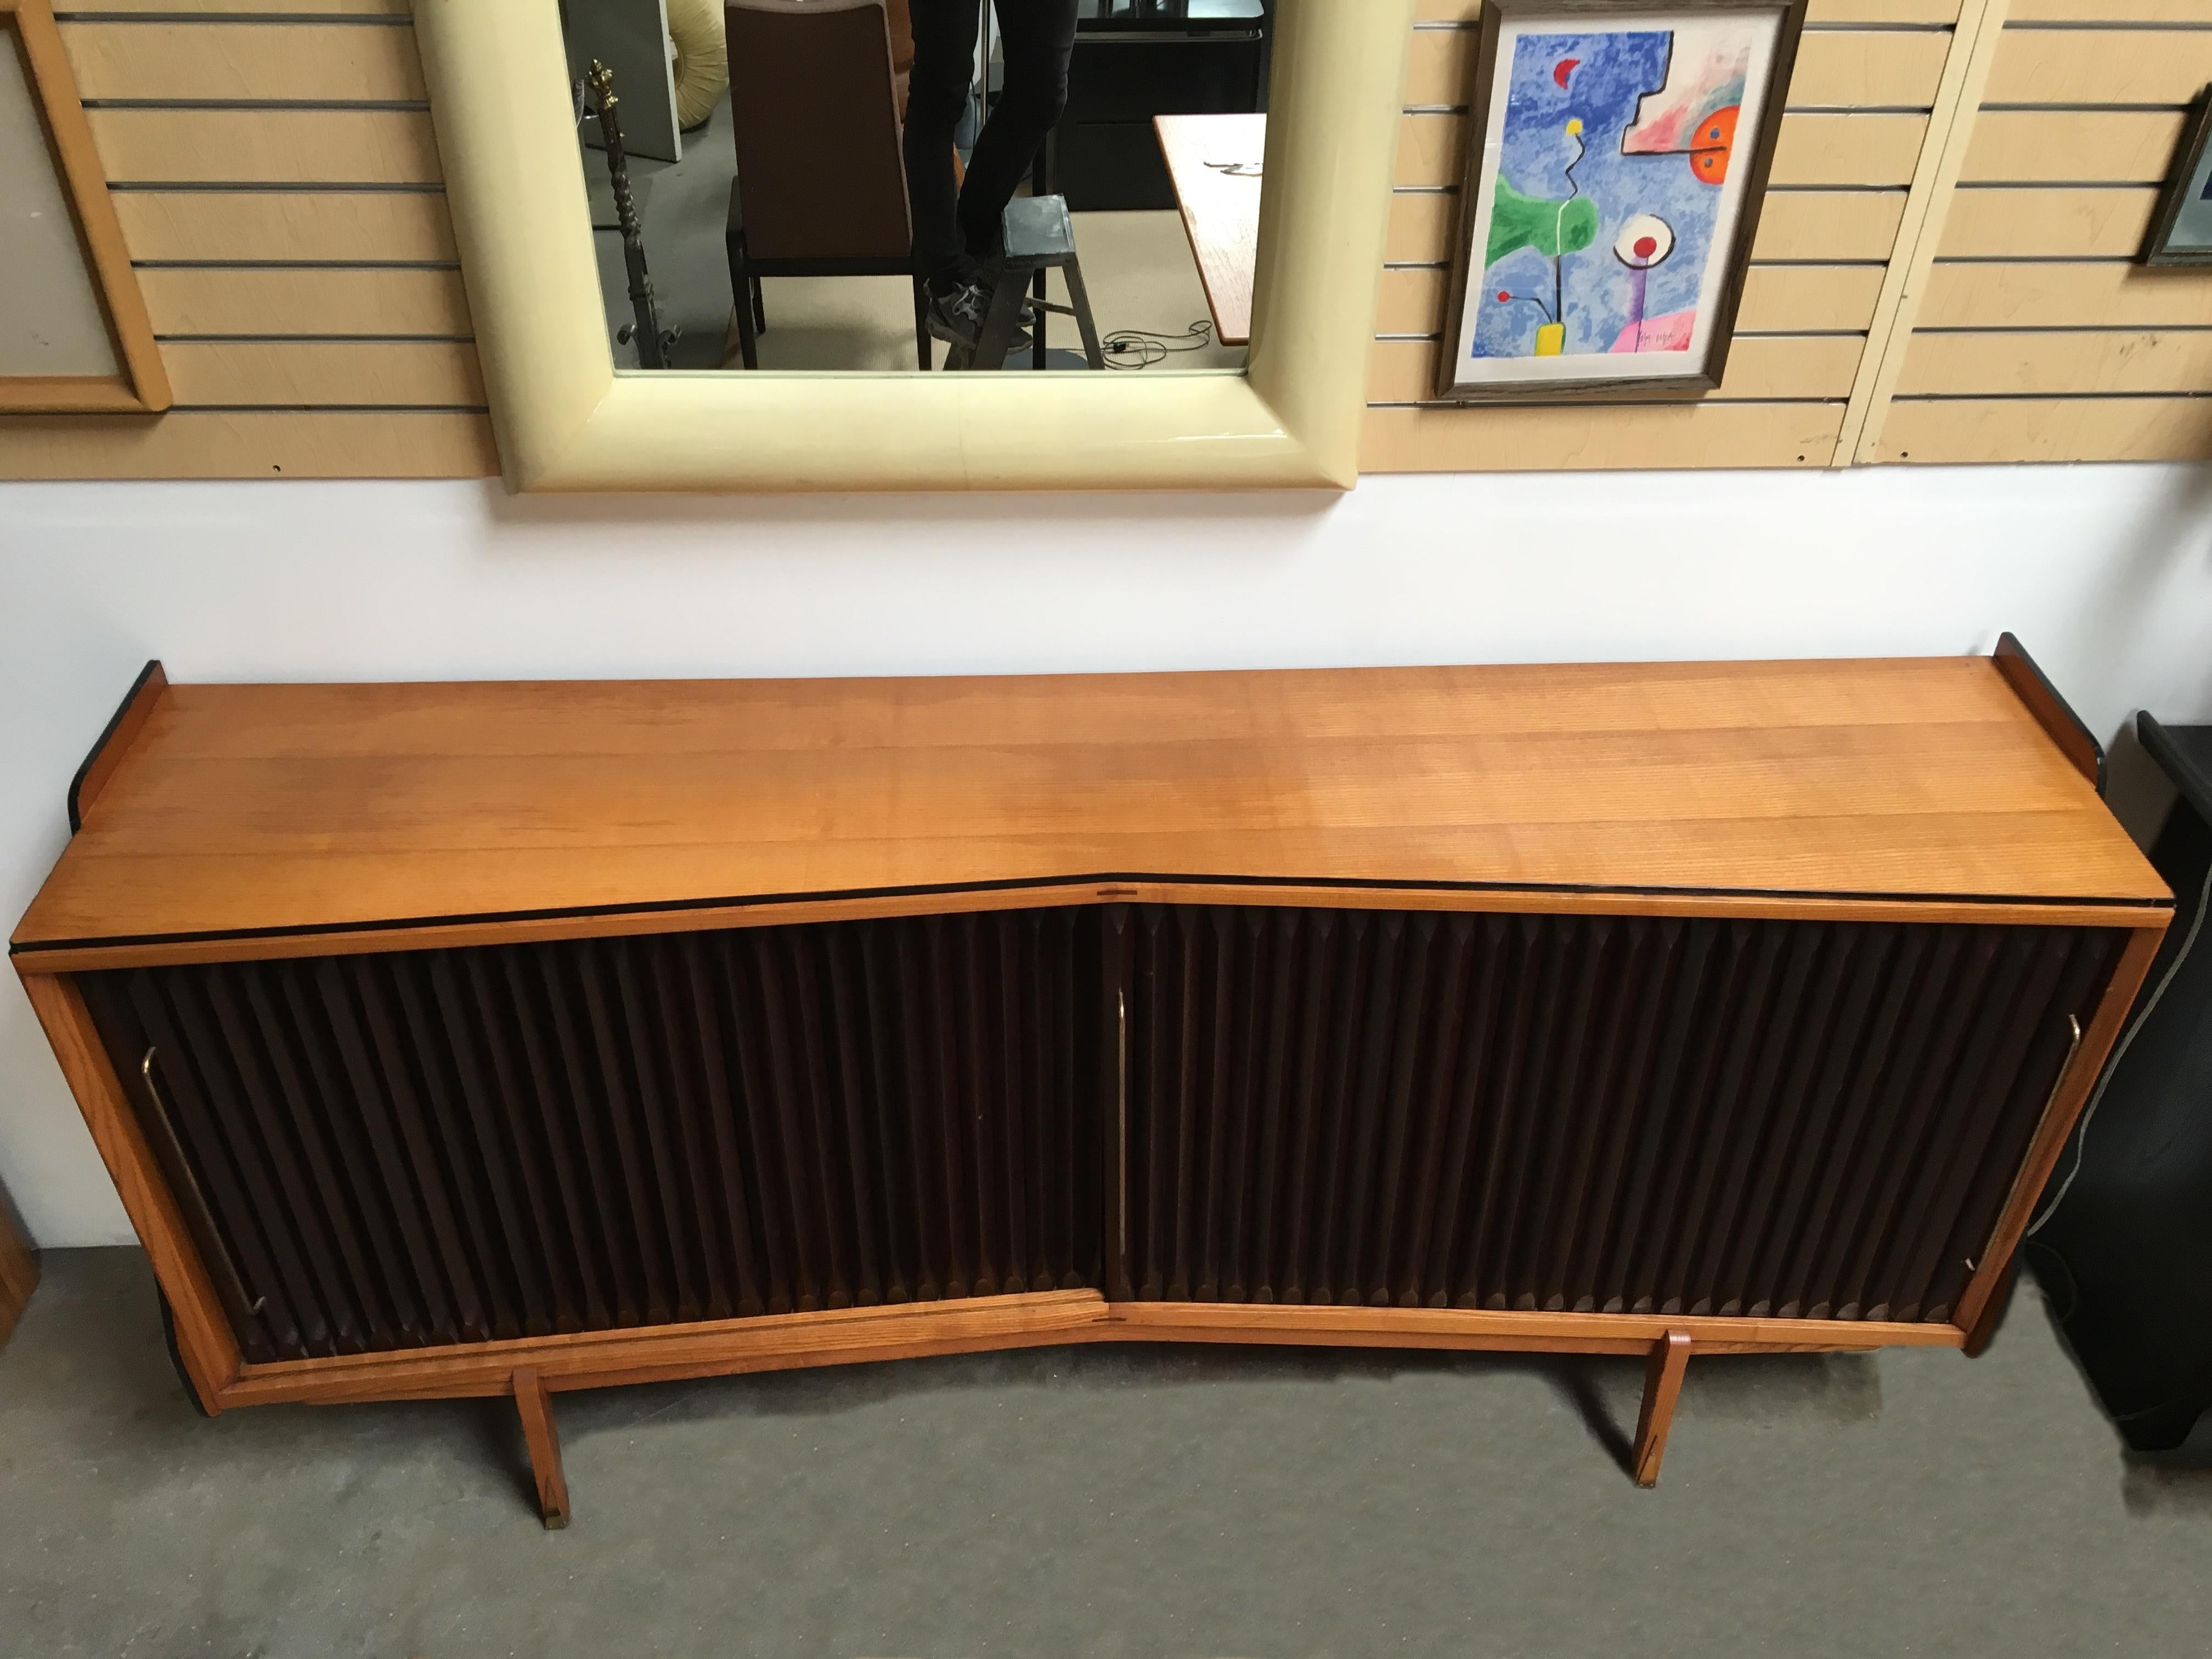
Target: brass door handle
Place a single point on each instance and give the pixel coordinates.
(199, 1216)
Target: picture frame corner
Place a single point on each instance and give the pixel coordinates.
(2189, 165)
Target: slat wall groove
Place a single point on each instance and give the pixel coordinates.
(2039, 337)
(1857, 115)
(273, 165)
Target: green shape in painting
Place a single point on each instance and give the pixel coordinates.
(1551, 227)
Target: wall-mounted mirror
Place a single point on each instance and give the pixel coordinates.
(819, 244)
(856, 184)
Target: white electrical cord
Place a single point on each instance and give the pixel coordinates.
(2112, 1065)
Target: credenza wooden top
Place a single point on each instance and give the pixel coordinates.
(259, 808)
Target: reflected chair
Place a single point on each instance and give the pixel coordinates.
(820, 183)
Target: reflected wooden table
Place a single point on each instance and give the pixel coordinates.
(1214, 162)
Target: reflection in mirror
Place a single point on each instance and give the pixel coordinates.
(888, 186)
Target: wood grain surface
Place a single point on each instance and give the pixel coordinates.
(1220, 206)
(258, 808)
(1043, 1319)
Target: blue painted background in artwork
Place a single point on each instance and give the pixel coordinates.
(1617, 70)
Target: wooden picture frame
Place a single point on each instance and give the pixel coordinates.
(2189, 184)
(141, 386)
(1711, 318)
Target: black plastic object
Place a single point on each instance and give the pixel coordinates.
(1134, 59)
(2123, 1242)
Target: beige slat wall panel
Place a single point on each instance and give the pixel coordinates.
(2030, 224)
(260, 444)
(404, 302)
(2037, 333)
(2060, 364)
(1812, 149)
(1964, 431)
(2090, 66)
(2109, 294)
(1844, 66)
(1882, 11)
(1868, 68)
(323, 63)
(238, 7)
(358, 406)
(1843, 225)
(2120, 146)
(1581, 438)
(266, 146)
(2109, 12)
(1776, 299)
(1819, 12)
(287, 227)
(306, 375)
(1431, 151)
(1764, 369)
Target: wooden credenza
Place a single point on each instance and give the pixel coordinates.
(479, 1039)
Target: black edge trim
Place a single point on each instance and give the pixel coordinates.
(77, 783)
(2010, 650)
(2185, 775)
(762, 901)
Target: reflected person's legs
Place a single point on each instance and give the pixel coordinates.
(1037, 37)
(945, 34)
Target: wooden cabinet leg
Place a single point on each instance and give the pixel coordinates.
(1662, 1387)
(543, 1442)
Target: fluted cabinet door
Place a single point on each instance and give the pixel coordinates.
(1587, 1113)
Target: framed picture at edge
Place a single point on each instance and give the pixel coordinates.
(2181, 235)
(1618, 153)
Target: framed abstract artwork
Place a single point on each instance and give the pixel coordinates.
(1617, 156)
(2181, 235)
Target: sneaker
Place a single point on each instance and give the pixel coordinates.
(957, 318)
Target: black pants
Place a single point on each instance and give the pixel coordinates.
(953, 229)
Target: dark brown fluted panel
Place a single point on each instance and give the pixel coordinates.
(432, 1147)
(1410, 1108)
(1584, 1112)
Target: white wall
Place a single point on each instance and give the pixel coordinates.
(2105, 573)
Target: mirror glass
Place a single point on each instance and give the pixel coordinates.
(899, 186)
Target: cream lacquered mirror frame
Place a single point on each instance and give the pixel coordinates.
(567, 420)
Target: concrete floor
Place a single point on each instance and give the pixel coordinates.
(1096, 1501)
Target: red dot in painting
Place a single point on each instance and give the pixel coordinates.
(1503, 296)
(1646, 246)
